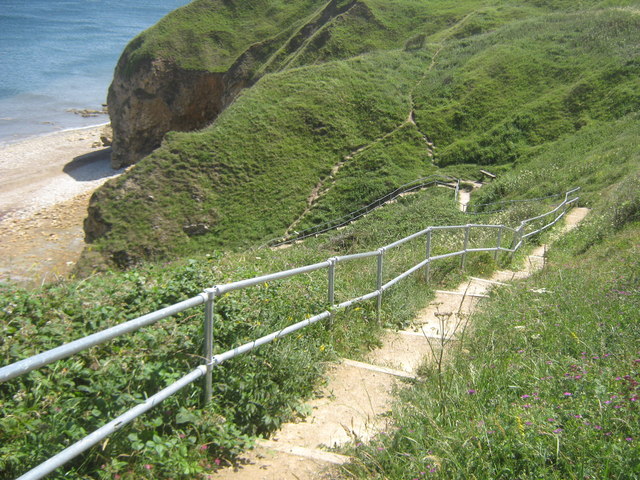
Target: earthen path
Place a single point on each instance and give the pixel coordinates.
(354, 405)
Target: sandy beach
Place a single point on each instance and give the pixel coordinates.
(45, 186)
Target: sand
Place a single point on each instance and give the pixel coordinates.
(45, 186)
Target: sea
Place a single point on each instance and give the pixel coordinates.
(58, 57)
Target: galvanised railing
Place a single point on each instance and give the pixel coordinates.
(430, 181)
(208, 298)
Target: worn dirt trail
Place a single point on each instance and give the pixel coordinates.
(354, 404)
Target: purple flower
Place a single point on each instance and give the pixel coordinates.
(551, 420)
(557, 430)
(567, 394)
(526, 406)
(525, 396)
(471, 391)
(528, 423)
(597, 427)
(578, 416)
(629, 439)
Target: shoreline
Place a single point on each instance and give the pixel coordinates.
(45, 185)
(9, 142)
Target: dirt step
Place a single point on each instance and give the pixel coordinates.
(264, 463)
(351, 408)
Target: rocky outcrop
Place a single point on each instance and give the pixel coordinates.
(160, 96)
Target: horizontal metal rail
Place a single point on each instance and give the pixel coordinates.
(66, 350)
(221, 289)
(420, 183)
(113, 426)
(208, 296)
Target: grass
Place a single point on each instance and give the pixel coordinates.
(490, 85)
(253, 394)
(555, 109)
(546, 383)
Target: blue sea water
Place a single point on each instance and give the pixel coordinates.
(60, 55)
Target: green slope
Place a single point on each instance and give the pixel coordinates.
(487, 84)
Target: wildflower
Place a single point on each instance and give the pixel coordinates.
(471, 391)
(597, 427)
(525, 396)
(578, 416)
(526, 406)
(567, 394)
(551, 420)
(528, 423)
(203, 447)
(629, 439)
(557, 430)
(217, 461)
(148, 466)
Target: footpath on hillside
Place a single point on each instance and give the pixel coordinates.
(354, 404)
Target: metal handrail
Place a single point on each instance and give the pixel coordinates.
(208, 296)
(356, 214)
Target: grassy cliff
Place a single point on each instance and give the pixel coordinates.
(477, 83)
(544, 94)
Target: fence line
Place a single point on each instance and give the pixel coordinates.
(208, 297)
(418, 184)
(432, 180)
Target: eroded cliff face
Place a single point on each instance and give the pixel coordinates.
(160, 96)
(157, 98)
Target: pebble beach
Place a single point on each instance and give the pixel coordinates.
(45, 186)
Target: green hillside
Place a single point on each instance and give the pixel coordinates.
(544, 94)
(474, 84)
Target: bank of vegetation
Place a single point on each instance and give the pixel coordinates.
(545, 95)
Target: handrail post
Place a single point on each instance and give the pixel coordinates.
(455, 197)
(517, 238)
(495, 254)
(208, 344)
(466, 245)
(427, 267)
(331, 285)
(379, 282)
